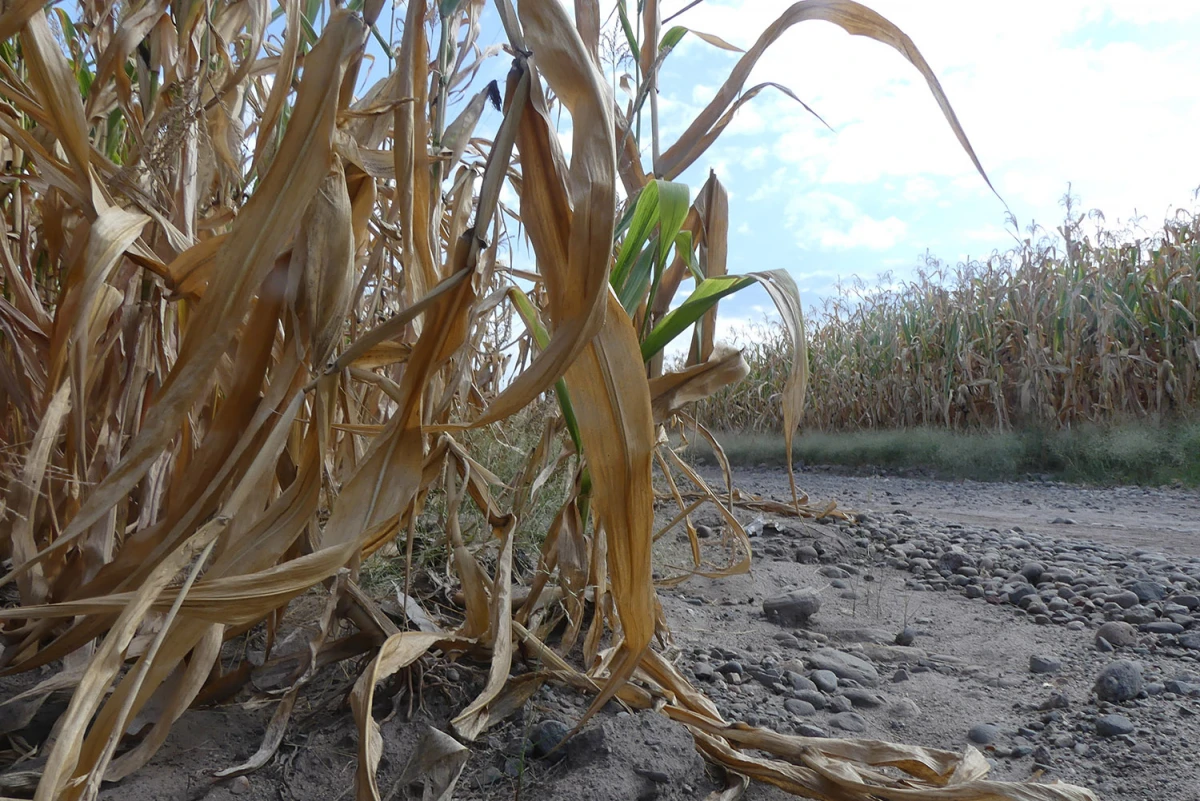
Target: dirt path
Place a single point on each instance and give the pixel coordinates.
(1162, 519)
(1000, 600)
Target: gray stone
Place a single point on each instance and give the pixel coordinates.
(794, 607)
(1124, 599)
(825, 680)
(1117, 634)
(1113, 725)
(1147, 591)
(904, 708)
(844, 666)
(849, 721)
(1138, 614)
(983, 733)
(1180, 687)
(1039, 663)
(703, 671)
(1188, 601)
(906, 637)
(1161, 627)
(1119, 681)
(808, 730)
(863, 698)
(812, 697)
(799, 708)
(546, 736)
(1032, 571)
(1191, 640)
(833, 572)
(806, 554)
(839, 703)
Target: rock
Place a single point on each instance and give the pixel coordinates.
(833, 572)
(844, 666)
(1180, 687)
(825, 680)
(545, 737)
(1056, 700)
(1032, 571)
(799, 708)
(954, 561)
(732, 666)
(1191, 640)
(1161, 627)
(899, 676)
(1062, 521)
(239, 786)
(703, 532)
(1044, 664)
(807, 730)
(983, 733)
(1188, 601)
(1119, 681)
(813, 697)
(904, 708)
(863, 698)
(1147, 591)
(1117, 634)
(1113, 725)
(703, 671)
(1124, 599)
(906, 637)
(792, 608)
(1138, 615)
(1016, 594)
(839, 703)
(806, 554)
(849, 721)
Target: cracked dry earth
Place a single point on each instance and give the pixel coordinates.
(1055, 628)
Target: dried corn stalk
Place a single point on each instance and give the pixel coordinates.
(231, 373)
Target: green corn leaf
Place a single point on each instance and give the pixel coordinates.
(703, 297)
(645, 216)
(541, 336)
(637, 284)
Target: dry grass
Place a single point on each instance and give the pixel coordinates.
(250, 317)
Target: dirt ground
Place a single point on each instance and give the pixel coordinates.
(982, 582)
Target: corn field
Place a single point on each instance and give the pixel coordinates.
(251, 309)
(1062, 330)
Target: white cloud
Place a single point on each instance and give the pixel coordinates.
(830, 222)
(1049, 93)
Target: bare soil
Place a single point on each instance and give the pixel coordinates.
(968, 662)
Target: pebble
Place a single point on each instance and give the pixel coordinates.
(863, 698)
(844, 666)
(1113, 725)
(1039, 663)
(1118, 634)
(849, 721)
(824, 680)
(800, 708)
(792, 608)
(983, 733)
(906, 637)
(1119, 681)
(546, 736)
(904, 708)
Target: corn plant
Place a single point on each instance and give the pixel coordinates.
(249, 311)
(1062, 330)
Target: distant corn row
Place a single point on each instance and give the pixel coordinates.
(1059, 331)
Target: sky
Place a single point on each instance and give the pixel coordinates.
(1097, 96)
